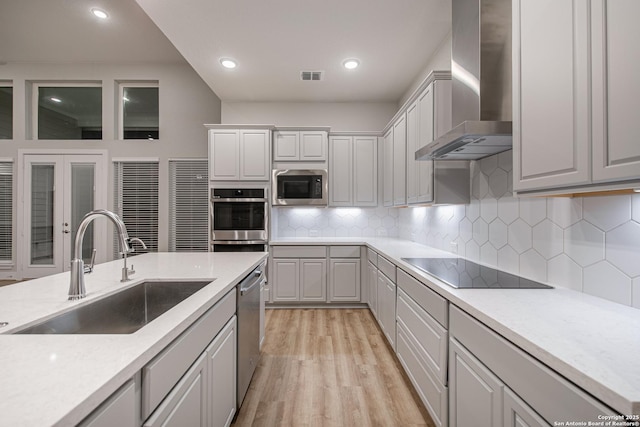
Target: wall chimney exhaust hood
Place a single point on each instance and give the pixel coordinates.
(481, 83)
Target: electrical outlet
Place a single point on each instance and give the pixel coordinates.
(314, 233)
(414, 236)
(453, 247)
(382, 232)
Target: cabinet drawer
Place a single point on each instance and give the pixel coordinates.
(430, 301)
(299, 251)
(163, 372)
(372, 256)
(433, 394)
(549, 394)
(387, 267)
(344, 251)
(121, 409)
(429, 337)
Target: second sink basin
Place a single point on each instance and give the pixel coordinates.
(121, 313)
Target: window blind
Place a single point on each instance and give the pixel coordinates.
(6, 214)
(136, 201)
(188, 206)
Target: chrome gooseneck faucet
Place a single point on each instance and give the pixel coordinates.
(76, 287)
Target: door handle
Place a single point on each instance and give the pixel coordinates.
(66, 231)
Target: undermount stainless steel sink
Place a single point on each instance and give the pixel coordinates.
(121, 313)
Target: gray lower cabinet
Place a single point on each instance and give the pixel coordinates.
(186, 405)
(387, 307)
(476, 394)
(221, 376)
(344, 280)
(494, 383)
(313, 280)
(518, 414)
(372, 283)
(298, 274)
(286, 280)
(121, 409)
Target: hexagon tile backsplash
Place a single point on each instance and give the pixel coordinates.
(589, 244)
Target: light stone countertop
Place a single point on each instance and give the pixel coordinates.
(592, 342)
(50, 380)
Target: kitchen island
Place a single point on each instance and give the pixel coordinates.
(49, 380)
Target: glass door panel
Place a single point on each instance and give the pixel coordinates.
(42, 214)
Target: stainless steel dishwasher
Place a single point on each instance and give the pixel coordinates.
(249, 328)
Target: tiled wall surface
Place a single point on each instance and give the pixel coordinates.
(589, 244)
(335, 222)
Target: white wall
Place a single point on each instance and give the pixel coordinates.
(340, 116)
(186, 103)
(585, 244)
(439, 61)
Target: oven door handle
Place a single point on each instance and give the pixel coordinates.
(239, 242)
(232, 200)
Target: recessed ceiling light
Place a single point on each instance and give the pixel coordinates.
(99, 13)
(54, 99)
(351, 64)
(228, 63)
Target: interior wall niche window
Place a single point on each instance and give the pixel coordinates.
(6, 213)
(6, 111)
(139, 110)
(188, 205)
(68, 111)
(136, 202)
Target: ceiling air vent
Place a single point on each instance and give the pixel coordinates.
(311, 75)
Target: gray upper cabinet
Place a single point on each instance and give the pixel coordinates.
(239, 154)
(300, 145)
(388, 168)
(574, 104)
(428, 117)
(400, 161)
(353, 170)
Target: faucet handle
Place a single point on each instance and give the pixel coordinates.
(89, 268)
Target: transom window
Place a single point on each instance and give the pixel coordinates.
(139, 110)
(67, 110)
(6, 110)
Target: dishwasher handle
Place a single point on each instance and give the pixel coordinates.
(246, 290)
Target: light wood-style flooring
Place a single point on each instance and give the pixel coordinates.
(329, 367)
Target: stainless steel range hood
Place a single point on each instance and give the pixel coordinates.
(481, 83)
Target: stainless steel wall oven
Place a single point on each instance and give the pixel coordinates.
(240, 219)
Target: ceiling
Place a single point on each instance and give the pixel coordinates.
(272, 41)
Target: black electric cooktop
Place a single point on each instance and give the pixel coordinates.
(463, 274)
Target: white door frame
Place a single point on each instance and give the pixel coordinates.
(102, 174)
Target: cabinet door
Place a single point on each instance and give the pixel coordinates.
(387, 307)
(424, 191)
(255, 164)
(222, 370)
(551, 141)
(313, 146)
(615, 70)
(313, 280)
(388, 168)
(475, 394)
(400, 162)
(344, 281)
(340, 176)
(186, 405)
(412, 146)
(286, 145)
(286, 273)
(224, 154)
(518, 414)
(121, 409)
(372, 282)
(365, 171)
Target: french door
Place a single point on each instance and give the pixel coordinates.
(58, 190)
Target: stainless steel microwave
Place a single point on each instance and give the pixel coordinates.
(298, 187)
